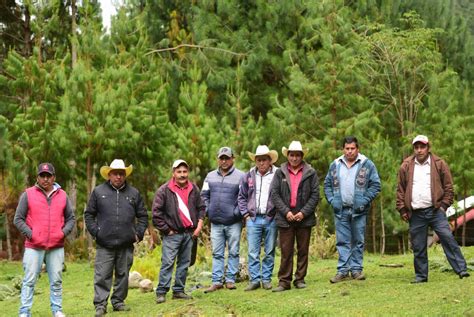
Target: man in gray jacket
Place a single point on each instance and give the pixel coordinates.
(295, 194)
(116, 217)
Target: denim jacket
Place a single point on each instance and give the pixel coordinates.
(367, 185)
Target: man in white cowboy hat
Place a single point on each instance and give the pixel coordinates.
(351, 184)
(178, 213)
(257, 210)
(116, 218)
(424, 192)
(295, 194)
(219, 192)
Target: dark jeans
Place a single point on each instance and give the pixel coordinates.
(174, 247)
(287, 245)
(436, 219)
(106, 262)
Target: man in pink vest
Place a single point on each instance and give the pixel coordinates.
(45, 217)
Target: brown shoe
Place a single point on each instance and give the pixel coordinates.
(279, 288)
(181, 295)
(359, 276)
(340, 278)
(213, 288)
(230, 285)
(160, 298)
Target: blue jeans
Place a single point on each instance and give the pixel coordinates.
(258, 231)
(350, 240)
(32, 261)
(222, 235)
(436, 219)
(174, 247)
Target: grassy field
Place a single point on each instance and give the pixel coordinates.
(386, 292)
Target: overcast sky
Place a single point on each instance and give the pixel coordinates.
(108, 9)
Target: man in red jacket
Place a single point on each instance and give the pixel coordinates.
(45, 217)
(178, 214)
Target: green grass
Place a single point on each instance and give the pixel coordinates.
(386, 292)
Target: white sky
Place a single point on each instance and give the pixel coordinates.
(108, 9)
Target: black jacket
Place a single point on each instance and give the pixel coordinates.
(114, 217)
(165, 214)
(306, 200)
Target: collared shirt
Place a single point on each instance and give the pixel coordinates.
(295, 179)
(421, 192)
(183, 192)
(347, 176)
(262, 190)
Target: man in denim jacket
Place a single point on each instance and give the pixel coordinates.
(350, 186)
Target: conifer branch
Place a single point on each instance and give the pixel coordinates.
(195, 46)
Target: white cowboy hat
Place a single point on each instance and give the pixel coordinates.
(116, 165)
(294, 146)
(264, 150)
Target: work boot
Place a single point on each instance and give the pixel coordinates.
(100, 311)
(358, 276)
(340, 278)
(267, 285)
(252, 287)
(160, 298)
(230, 285)
(280, 289)
(181, 295)
(464, 274)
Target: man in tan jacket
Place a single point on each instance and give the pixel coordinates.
(424, 192)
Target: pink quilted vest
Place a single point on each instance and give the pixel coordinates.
(46, 221)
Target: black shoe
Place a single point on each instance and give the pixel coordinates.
(100, 311)
(464, 274)
(121, 307)
(417, 281)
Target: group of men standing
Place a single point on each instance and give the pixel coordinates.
(270, 201)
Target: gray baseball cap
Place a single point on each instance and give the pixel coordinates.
(225, 151)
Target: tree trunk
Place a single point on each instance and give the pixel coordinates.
(27, 32)
(73, 32)
(374, 237)
(382, 225)
(463, 237)
(9, 242)
(91, 180)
